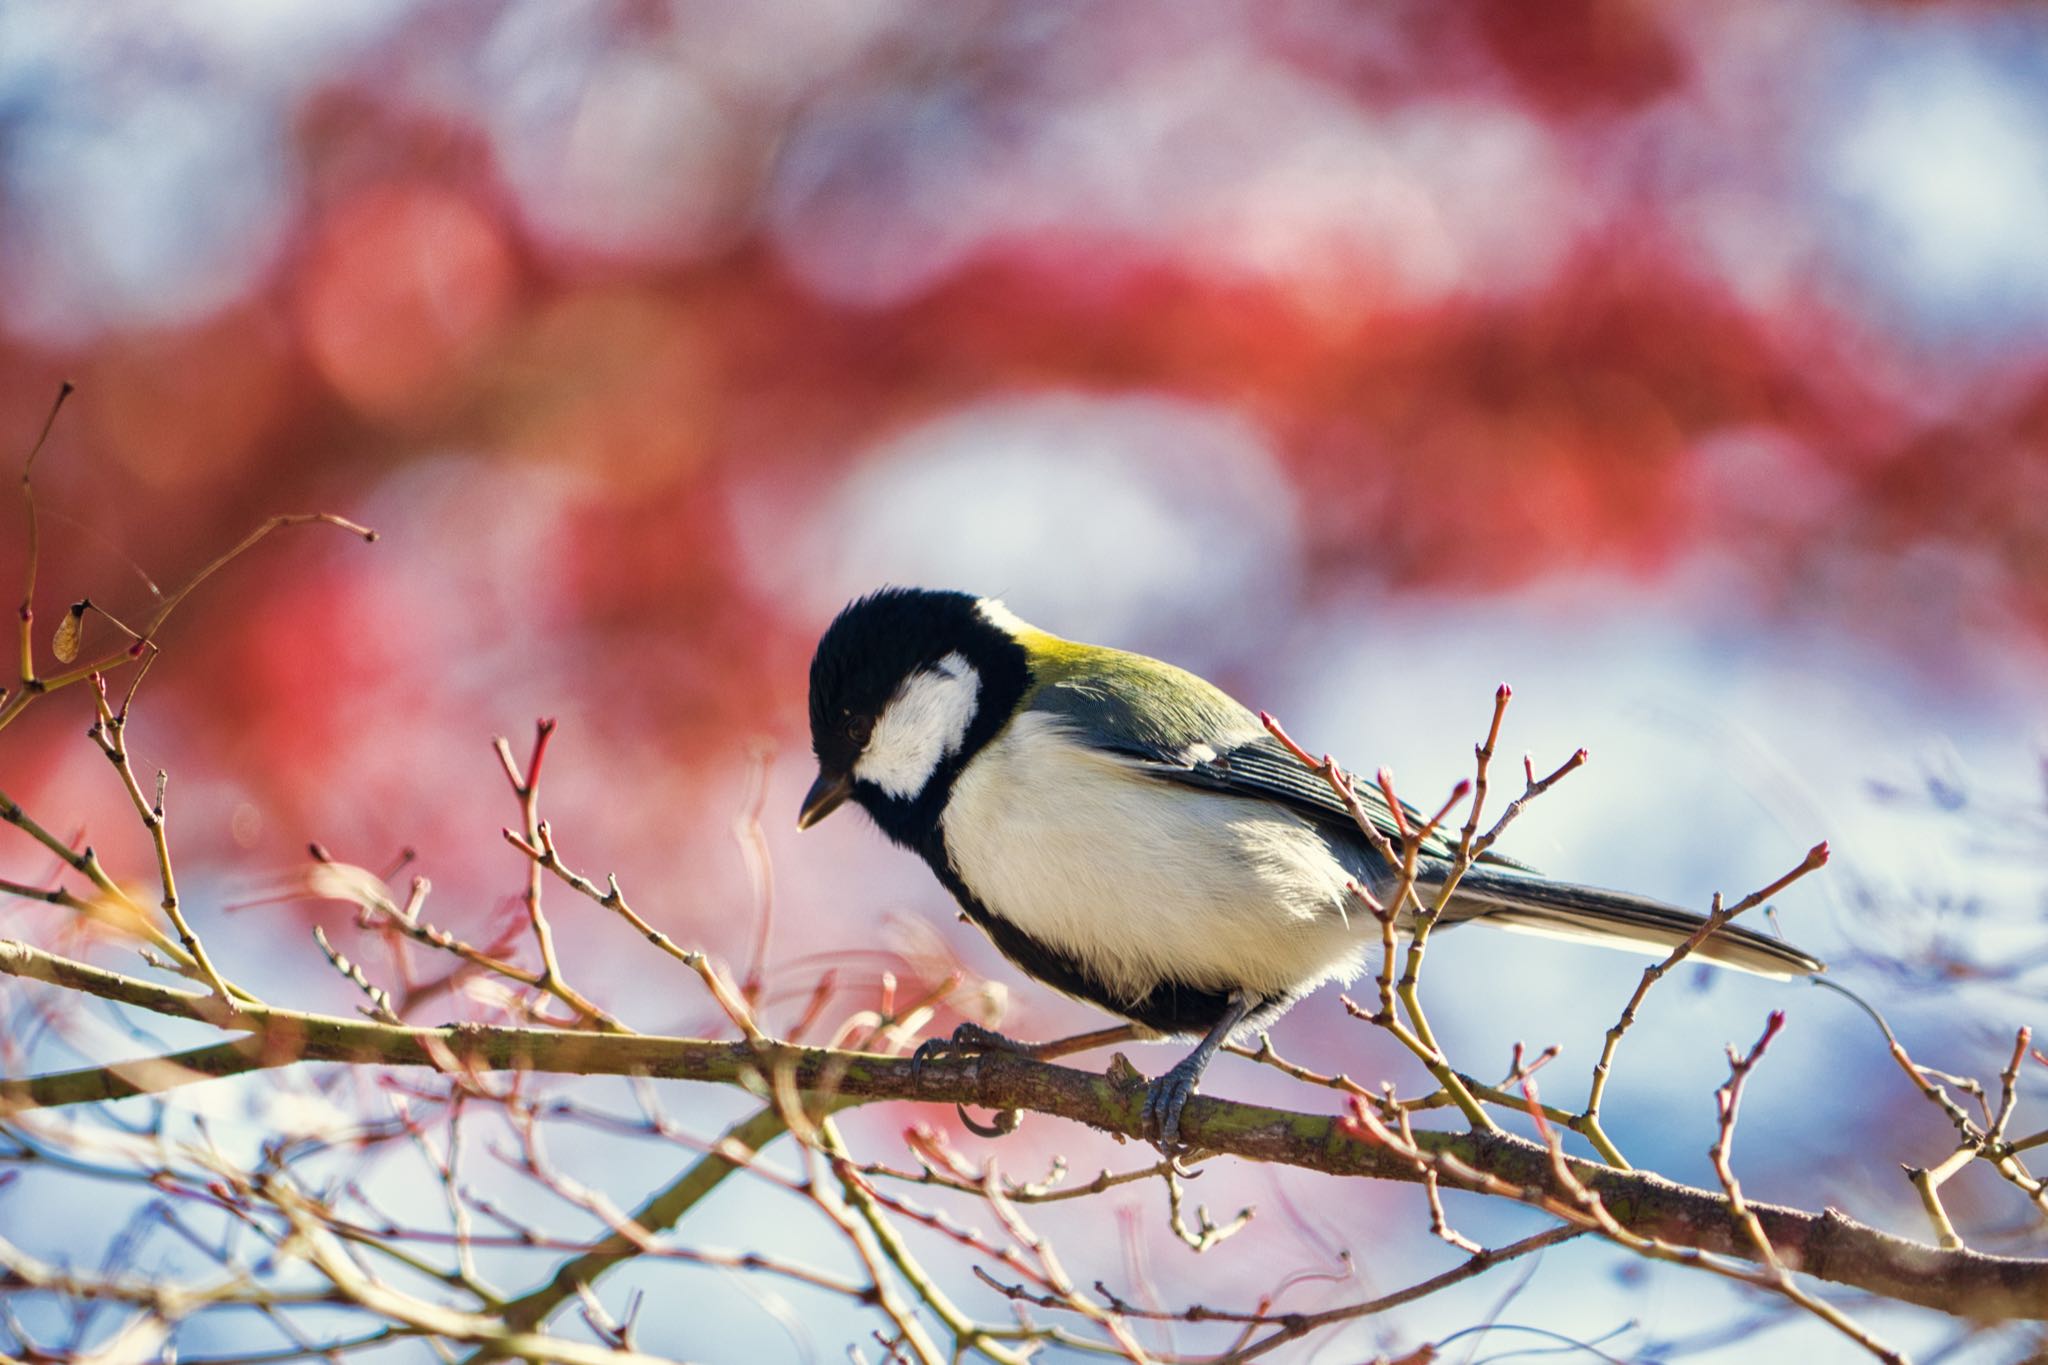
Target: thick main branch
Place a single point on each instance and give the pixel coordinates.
(1828, 1244)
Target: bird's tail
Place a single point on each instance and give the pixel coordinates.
(1537, 905)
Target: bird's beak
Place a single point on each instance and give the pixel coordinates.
(824, 797)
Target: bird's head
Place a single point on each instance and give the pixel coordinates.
(906, 685)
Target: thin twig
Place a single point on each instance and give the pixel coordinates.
(106, 663)
(110, 733)
(526, 789)
(541, 848)
(380, 999)
(1415, 1033)
(29, 684)
(1588, 1122)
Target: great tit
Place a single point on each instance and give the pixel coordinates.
(1132, 836)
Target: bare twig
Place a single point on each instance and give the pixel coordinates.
(1415, 1033)
(1532, 787)
(541, 848)
(1728, 1099)
(29, 684)
(526, 788)
(1295, 1326)
(1833, 1245)
(110, 733)
(968, 1335)
(1482, 760)
(1588, 1121)
(1206, 1233)
(14, 704)
(660, 1212)
(753, 842)
(380, 999)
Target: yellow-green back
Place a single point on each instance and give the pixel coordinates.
(1129, 699)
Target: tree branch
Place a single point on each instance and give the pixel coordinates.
(1828, 1244)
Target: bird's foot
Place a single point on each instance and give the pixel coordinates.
(1164, 1100)
(972, 1040)
(968, 1040)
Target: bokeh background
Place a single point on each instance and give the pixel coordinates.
(1684, 365)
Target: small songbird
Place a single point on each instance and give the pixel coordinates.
(1132, 836)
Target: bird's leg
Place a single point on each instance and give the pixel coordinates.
(1168, 1095)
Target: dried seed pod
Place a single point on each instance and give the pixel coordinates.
(64, 643)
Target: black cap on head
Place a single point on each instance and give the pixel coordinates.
(867, 652)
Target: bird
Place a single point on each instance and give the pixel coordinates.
(1130, 835)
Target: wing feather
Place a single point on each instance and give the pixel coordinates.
(1263, 768)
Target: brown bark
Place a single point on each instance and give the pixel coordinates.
(1826, 1244)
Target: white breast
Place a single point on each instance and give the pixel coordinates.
(1144, 880)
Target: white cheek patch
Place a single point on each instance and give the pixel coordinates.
(923, 724)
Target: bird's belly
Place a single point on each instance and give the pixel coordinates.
(1142, 882)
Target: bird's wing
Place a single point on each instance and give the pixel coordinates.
(1262, 768)
(1177, 727)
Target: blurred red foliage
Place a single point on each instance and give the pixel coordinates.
(1451, 424)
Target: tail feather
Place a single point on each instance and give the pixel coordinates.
(1536, 905)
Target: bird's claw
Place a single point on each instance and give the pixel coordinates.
(1165, 1098)
(968, 1040)
(972, 1040)
(1007, 1121)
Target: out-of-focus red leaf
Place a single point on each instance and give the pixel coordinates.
(403, 286)
(1571, 56)
(193, 406)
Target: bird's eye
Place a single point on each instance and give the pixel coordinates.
(861, 728)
